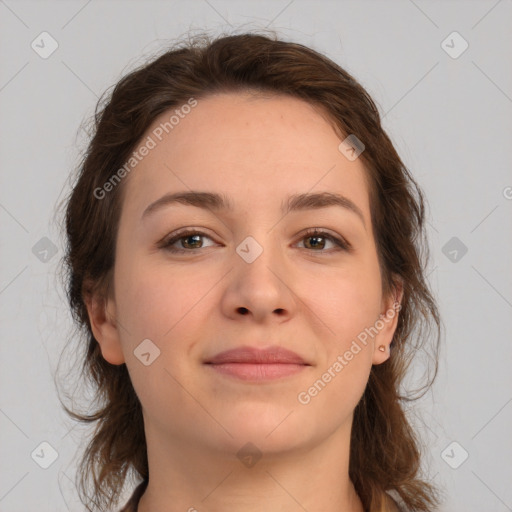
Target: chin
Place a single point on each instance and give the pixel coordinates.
(271, 429)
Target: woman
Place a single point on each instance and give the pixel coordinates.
(243, 258)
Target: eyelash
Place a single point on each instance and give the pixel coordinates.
(341, 244)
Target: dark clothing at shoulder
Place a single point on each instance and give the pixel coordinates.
(133, 503)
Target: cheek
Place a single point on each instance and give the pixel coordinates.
(350, 304)
(163, 306)
(353, 309)
(329, 399)
(152, 299)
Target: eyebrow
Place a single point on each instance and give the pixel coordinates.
(217, 202)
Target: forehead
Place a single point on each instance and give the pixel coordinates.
(254, 149)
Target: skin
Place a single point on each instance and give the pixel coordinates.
(315, 301)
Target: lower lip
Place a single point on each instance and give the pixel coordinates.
(258, 371)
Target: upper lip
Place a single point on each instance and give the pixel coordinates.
(246, 354)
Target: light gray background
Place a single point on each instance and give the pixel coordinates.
(451, 121)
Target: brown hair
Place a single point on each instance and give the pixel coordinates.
(385, 452)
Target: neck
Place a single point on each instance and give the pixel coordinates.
(186, 476)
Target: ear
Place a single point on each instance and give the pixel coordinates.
(102, 316)
(386, 325)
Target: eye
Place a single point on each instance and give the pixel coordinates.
(318, 240)
(190, 240)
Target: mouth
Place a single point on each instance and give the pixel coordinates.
(252, 364)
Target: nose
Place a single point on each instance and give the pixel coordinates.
(260, 288)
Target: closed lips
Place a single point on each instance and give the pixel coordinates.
(251, 355)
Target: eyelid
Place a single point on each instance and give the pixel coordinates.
(179, 234)
(341, 243)
(338, 240)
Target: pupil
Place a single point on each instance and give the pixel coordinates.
(315, 238)
(196, 237)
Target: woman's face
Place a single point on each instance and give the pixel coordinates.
(246, 276)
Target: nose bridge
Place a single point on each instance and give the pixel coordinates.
(261, 247)
(260, 275)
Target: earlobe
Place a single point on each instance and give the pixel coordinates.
(381, 353)
(386, 325)
(104, 328)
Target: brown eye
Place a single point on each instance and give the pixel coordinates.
(316, 241)
(188, 241)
